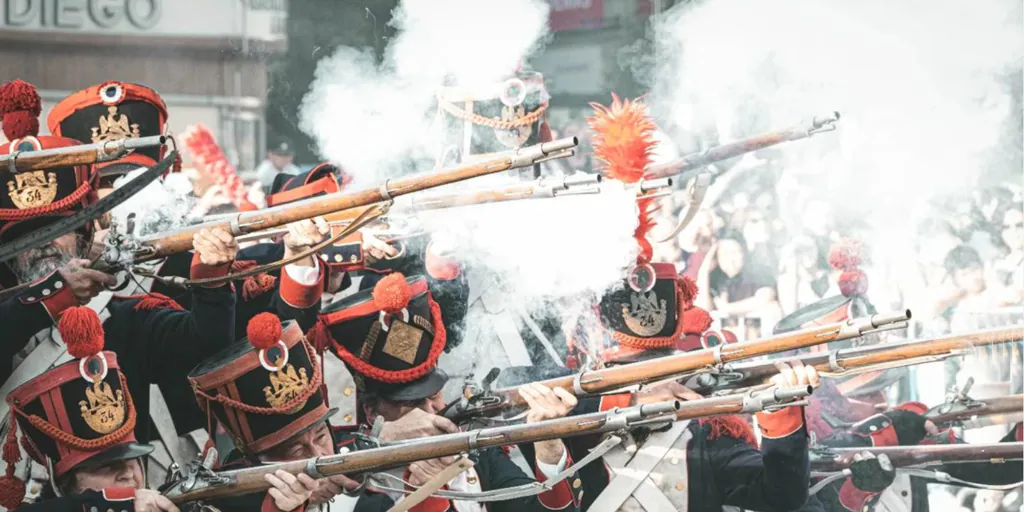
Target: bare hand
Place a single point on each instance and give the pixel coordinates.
(332, 486)
(796, 375)
(415, 424)
(664, 392)
(215, 246)
(147, 500)
(305, 234)
(85, 283)
(424, 471)
(377, 249)
(545, 403)
(290, 492)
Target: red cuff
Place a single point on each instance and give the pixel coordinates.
(269, 505)
(302, 296)
(345, 254)
(560, 496)
(609, 402)
(430, 504)
(119, 493)
(200, 270)
(52, 292)
(853, 498)
(779, 424)
(885, 437)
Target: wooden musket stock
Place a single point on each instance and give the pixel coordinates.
(744, 375)
(733, 149)
(402, 453)
(908, 456)
(999, 410)
(674, 366)
(86, 154)
(164, 244)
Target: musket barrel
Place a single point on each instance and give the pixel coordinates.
(84, 154)
(903, 456)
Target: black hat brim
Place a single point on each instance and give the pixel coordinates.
(419, 389)
(126, 451)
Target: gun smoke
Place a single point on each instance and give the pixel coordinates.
(924, 89)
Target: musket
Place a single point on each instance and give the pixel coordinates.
(492, 402)
(853, 360)
(961, 411)
(714, 154)
(827, 460)
(204, 485)
(85, 154)
(542, 188)
(161, 245)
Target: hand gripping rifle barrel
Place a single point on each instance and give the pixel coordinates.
(200, 484)
(86, 154)
(614, 378)
(161, 245)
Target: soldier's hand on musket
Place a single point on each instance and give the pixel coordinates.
(796, 374)
(147, 500)
(290, 491)
(332, 486)
(377, 249)
(911, 428)
(545, 404)
(663, 392)
(870, 473)
(423, 471)
(84, 282)
(302, 235)
(415, 424)
(215, 246)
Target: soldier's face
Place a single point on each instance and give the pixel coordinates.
(122, 473)
(41, 261)
(392, 411)
(315, 442)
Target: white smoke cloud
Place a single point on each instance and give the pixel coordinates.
(372, 118)
(921, 85)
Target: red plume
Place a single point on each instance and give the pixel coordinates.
(20, 107)
(687, 289)
(392, 293)
(846, 254)
(644, 225)
(264, 331)
(623, 138)
(81, 330)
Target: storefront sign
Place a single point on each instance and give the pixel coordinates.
(252, 19)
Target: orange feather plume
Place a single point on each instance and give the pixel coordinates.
(623, 138)
(646, 223)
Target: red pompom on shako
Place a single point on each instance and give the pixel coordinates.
(82, 331)
(392, 293)
(12, 492)
(20, 106)
(853, 282)
(263, 330)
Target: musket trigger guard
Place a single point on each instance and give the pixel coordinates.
(833, 362)
(359, 489)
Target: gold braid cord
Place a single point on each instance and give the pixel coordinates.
(475, 118)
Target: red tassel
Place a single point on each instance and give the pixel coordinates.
(155, 301)
(82, 332)
(687, 289)
(11, 453)
(12, 490)
(257, 285)
(319, 337)
(730, 426)
(853, 282)
(695, 320)
(392, 293)
(264, 331)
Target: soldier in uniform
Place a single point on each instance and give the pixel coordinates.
(77, 420)
(155, 338)
(390, 337)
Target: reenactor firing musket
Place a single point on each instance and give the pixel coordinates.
(854, 360)
(86, 154)
(828, 460)
(202, 484)
(373, 202)
(488, 402)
